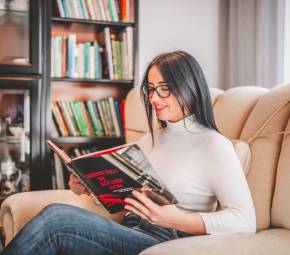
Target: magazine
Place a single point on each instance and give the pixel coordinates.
(111, 175)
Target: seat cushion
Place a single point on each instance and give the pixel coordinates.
(268, 242)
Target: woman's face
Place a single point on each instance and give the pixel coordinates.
(167, 109)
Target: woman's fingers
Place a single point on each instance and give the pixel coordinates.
(144, 200)
(136, 204)
(76, 186)
(136, 211)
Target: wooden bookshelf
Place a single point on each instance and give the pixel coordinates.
(97, 81)
(79, 88)
(93, 22)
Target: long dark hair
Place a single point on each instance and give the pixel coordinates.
(187, 82)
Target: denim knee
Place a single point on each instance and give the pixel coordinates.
(56, 215)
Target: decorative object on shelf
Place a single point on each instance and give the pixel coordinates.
(12, 180)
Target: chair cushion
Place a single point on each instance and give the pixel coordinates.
(270, 115)
(268, 242)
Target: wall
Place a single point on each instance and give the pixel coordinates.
(190, 25)
(287, 43)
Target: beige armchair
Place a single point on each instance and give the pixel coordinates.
(255, 115)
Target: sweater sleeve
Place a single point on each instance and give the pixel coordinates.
(228, 183)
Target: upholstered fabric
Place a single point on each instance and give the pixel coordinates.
(281, 203)
(269, 242)
(232, 108)
(265, 150)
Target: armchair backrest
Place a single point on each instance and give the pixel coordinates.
(256, 116)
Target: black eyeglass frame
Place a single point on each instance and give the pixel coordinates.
(155, 90)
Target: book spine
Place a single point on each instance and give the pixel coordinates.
(65, 9)
(71, 56)
(81, 119)
(123, 10)
(114, 116)
(132, 11)
(117, 107)
(59, 119)
(98, 61)
(76, 117)
(109, 116)
(91, 9)
(64, 57)
(129, 31)
(87, 60)
(104, 121)
(97, 10)
(67, 118)
(58, 172)
(69, 9)
(60, 8)
(99, 120)
(86, 118)
(114, 56)
(109, 52)
(92, 62)
(102, 9)
(93, 118)
(119, 60)
(52, 57)
(73, 120)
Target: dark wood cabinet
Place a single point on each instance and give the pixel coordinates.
(21, 37)
(26, 31)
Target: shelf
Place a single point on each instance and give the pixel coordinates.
(93, 22)
(129, 82)
(89, 140)
(14, 11)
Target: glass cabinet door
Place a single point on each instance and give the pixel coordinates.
(14, 141)
(19, 136)
(19, 36)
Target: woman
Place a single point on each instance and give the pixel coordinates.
(196, 162)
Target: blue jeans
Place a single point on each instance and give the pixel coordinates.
(67, 230)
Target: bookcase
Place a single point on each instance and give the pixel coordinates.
(76, 31)
(32, 78)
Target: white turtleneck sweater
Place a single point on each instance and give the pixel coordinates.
(200, 167)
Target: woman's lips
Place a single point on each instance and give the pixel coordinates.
(160, 108)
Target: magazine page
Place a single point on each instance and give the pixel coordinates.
(59, 151)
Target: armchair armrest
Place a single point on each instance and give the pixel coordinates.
(20, 208)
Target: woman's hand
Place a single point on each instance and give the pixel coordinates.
(76, 186)
(168, 216)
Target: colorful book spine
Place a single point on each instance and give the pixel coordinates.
(71, 72)
(95, 120)
(98, 61)
(114, 118)
(109, 52)
(60, 122)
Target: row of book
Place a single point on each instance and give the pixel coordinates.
(89, 60)
(68, 59)
(107, 10)
(102, 118)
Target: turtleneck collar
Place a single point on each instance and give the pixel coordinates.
(188, 123)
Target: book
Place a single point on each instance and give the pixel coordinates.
(111, 175)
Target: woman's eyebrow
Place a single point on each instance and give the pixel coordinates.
(160, 82)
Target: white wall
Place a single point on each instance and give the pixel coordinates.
(189, 25)
(287, 43)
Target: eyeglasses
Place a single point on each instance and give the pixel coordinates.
(162, 91)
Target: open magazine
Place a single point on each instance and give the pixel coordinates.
(111, 175)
